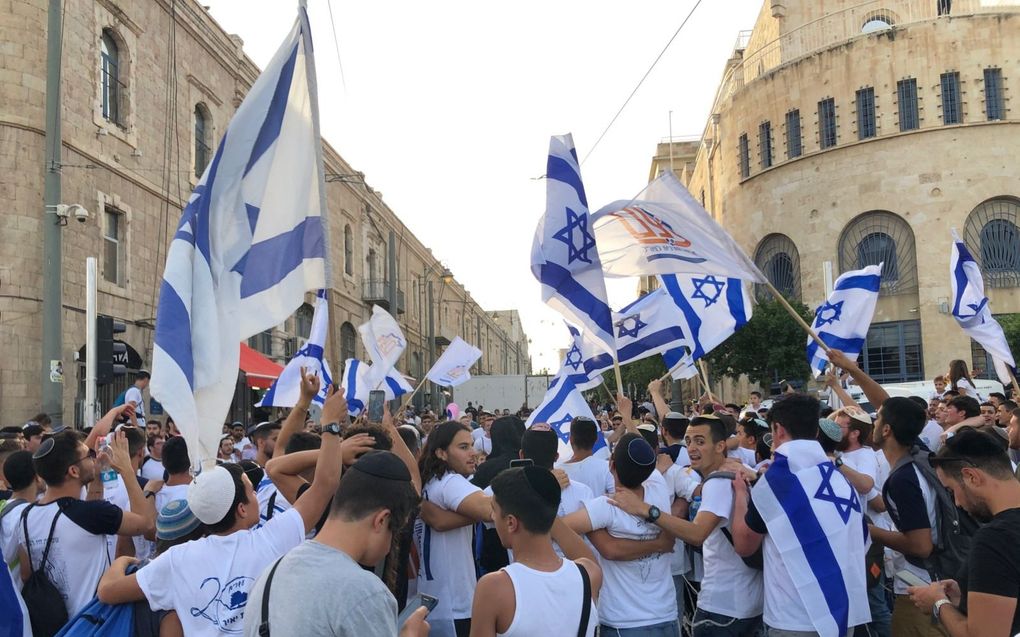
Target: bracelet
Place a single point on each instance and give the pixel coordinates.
(936, 610)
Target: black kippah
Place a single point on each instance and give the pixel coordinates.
(44, 448)
(382, 464)
(543, 483)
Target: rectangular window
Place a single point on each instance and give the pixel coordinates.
(765, 143)
(866, 113)
(113, 246)
(793, 144)
(906, 98)
(827, 123)
(952, 108)
(262, 342)
(745, 157)
(994, 98)
(892, 352)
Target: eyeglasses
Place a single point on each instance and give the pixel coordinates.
(90, 454)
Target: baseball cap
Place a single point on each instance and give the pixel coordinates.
(211, 494)
(175, 521)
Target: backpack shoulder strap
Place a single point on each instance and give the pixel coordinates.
(582, 628)
(49, 539)
(271, 505)
(24, 528)
(264, 617)
(10, 505)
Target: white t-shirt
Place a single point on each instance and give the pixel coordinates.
(207, 581)
(862, 460)
(447, 562)
(681, 482)
(133, 394)
(683, 459)
(967, 388)
(115, 492)
(483, 445)
(168, 494)
(152, 469)
(931, 435)
(744, 455)
(264, 492)
(729, 587)
(593, 472)
(78, 555)
(477, 433)
(640, 592)
(9, 540)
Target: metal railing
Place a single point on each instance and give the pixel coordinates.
(378, 291)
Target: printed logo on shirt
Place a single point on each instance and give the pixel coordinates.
(226, 607)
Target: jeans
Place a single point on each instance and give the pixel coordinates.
(708, 624)
(665, 629)
(881, 617)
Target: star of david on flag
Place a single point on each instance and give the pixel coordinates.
(576, 231)
(827, 493)
(650, 325)
(635, 322)
(285, 390)
(562, 403)
(842, 322)
(584, 362)
(707, 324)
(708, 289)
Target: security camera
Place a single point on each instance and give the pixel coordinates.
(79, 212)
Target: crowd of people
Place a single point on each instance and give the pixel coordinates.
(659, 523)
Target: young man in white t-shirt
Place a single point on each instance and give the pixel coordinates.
(133, 396)
(731, 597)
(583, 466)
(207, 581)
(178, 468)
(638, 593)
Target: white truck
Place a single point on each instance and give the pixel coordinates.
(922, 388)
(502, 392)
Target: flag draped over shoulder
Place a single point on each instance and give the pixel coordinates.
(249, 244)
(842, 322)
(562, 403)
(286, 390)
(384, 341)
(713, 308)
(564, 258)
(971, 311)
(357, 381)
(665, 231)
(453, 368)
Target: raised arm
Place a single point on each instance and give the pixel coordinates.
(876, 395)
(400, 447)
(658, 399)
(295, 421)
(833, 382)
(313, 502)
(141, 519)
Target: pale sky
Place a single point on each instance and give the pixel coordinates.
(449, 106)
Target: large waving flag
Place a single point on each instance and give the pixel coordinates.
(562, 403)
(584, 363)
(842, 322)
(971, 311)
(650, 325)
(384, 342)
(286, 390)
(454, 366)
(249, 244)
(563, 255)
(357, 382)
(665, 231)
(713, 309)
(680, 364)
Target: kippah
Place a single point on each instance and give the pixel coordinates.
(761, 423)
(384, 465)
(830, 429)
(44, 448)
(543, 483)
(675, 415)
(641, 452)
(175, 521)
(646, 426)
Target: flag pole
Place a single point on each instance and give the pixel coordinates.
(704, 379)
(410, 396)
(797, 317)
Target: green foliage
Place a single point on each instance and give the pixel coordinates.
(769, 348)
(1011, 327)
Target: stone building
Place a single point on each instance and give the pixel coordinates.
(147, 90)
(848, 133)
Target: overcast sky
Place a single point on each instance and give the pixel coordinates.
(449, 105)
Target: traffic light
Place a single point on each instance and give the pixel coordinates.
(110, 355)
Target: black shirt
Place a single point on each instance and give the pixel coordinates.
(994, 563)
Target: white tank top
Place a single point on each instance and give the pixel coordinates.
(548, 603)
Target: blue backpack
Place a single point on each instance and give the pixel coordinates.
(101, 620)
(119, 400)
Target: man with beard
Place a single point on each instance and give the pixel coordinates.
(983, 600)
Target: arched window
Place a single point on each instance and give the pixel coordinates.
(877, 237)
(777, 257)
(303, 321)
(348, 250)
(877, 21)
(110, 79)
(993, 236)
(203, 143)
(347, 340)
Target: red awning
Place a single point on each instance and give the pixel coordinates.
(259, 371)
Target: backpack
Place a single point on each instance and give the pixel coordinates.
(101, 620)
(953, 526)
(755, 560)
(119, 400)
(45, 603)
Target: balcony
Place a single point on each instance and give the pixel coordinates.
(377, 292)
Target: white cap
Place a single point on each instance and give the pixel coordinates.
(211, 494)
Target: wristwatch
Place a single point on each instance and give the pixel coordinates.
(838, 461)
(331, 428)
(937, 608)
(653, 514)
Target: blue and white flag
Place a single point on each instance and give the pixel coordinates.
(249, 244)
(286, 389)
(561, 404)
(584, 362)
(814, 518)
(842, 322)
(357, 383)
(664, 230)
(713, 309)
(680, 364)
(384, 342)
(564, 258)
(971, 311)
(650, 325)
(453, 368)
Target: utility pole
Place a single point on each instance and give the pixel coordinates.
(52, 335)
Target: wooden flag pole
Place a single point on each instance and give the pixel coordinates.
(704, 379)
(797, 317)
(410, 396)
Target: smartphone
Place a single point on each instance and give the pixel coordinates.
(910, 579)
(522, 462)
(414, 604)
(376, 400)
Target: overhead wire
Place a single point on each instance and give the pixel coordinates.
(336, 43)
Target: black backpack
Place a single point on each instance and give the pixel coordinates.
(954, 526)
(45, 603)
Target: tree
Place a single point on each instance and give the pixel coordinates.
(769, 348)
(1011, 327)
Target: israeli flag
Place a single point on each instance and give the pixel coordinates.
(584, 362)
(453, 368)
(286, 390)
(713, 309)
(564, 258)
(971, 311)
(650, 325)
(249, 244)
(561, 404)
(816, 525)
(842, 322)
(680, 364)
(357, 383)
(384, 342)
